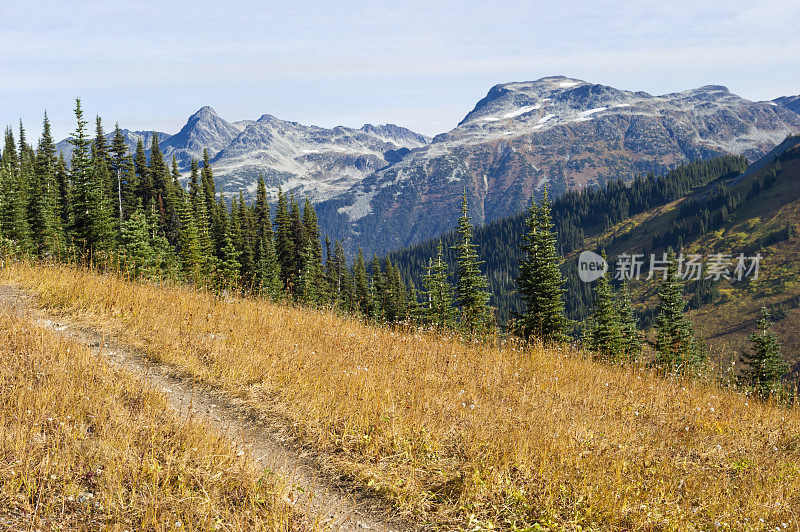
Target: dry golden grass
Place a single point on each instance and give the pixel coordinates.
(83, 446)
(461, 435)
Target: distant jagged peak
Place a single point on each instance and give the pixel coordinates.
(204, 112)
(554, 100)
(266, 117)
(541, 85)
(516, 99)
(390, 132)
(712, 88)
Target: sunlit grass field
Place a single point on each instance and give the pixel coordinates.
(466, 435)
(84, 446)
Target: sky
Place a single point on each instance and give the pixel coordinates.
(423, 65)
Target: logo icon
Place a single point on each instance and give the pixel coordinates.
(591, 266)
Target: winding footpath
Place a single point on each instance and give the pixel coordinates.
(327, 503)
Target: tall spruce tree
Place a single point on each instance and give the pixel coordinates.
(144, 189)
(93, 226)
(120, 172)
(540, 283)
(65, 194)
(284, 244)
(268, 278)
(46, 223)
(377, 290)
(472, 296)
(229, 268)
(676, 347)
(341, 283)
(310, 274)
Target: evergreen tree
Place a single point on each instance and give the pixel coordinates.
(540, 283)
(284, 244)
(196, 194)
(64, 191)
(121, 176)
(166, 264)
(342, 285)
(330, 281)
(676, 347)
(415, 309)
(437, 297)
(191, 252)
(312, 236)
(219, 226)
(229, 266)
(205, 238)
(143, 183)
(764, 366)
(308, 280)
(471, 295)
(268, 276)
(216, 214)
(631, 337)
(606, 336)
(299, 237)
(46, 223)
(207, 180)
(102, 159)
(397, 294)
(137, 253)
(13, 197)
(361, 285)
(378, 298)
(93, 226)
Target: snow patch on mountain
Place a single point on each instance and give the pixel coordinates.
(522, 110)
(361, 207)
(583, 116)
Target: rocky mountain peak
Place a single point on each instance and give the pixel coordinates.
(204, 112)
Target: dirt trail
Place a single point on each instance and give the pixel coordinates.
(326, 502)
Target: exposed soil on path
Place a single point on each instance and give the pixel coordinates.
(327, 502)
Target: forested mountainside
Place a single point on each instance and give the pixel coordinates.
(704, 208)
(576, 215)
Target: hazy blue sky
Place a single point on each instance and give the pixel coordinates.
(149, 65)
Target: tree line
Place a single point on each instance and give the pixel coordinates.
(130, 211)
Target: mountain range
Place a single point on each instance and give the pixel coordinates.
(385, 186)
(559, 132)
(307, 160)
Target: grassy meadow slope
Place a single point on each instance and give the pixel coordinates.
(766, 223)
(85, 446)
(466, 436)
